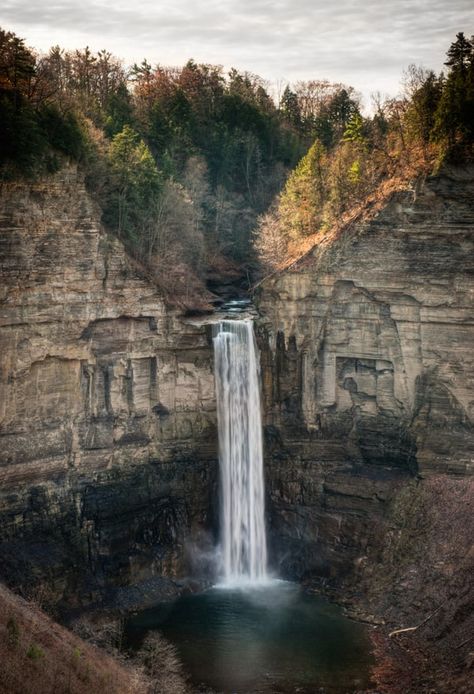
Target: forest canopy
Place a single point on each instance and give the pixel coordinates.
(199, 171)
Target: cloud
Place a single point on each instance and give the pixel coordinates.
(365, 43)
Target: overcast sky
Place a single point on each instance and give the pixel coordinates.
(365, 43)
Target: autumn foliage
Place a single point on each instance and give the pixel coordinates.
(195, 168)
(341, 174)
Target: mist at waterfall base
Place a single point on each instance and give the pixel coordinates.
(252, 632)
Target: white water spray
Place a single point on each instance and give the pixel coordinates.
(244, 546)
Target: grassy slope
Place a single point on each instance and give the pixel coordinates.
(39, 656)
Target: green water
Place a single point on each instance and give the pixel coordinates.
(273, 639)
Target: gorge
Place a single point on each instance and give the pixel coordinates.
(236, 379)
(287, 639)
(109, 432)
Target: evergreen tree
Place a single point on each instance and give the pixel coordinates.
(135, 185)
(119, 111)
(425, 102)
(17, 66)
(340, 110)
(302, 201)
(459, 55)
(290, 108)
(355, 130)
(454, 118)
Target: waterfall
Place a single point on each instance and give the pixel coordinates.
(243, 539)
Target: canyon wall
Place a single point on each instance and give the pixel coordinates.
(108, 461)
(107, 407)
(368, 378)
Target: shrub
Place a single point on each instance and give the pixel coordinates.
(162, 665)
(35, 652)
(13, 632)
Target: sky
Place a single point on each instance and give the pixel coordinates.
(366, 44)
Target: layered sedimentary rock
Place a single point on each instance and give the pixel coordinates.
(107, 411)
(368, 379)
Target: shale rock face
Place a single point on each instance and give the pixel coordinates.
(368, 373)
(107, 411)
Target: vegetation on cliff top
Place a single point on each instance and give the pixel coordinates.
(183, 161)
(336, 179)
(187, 162)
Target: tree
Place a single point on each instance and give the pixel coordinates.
(196, 185)
(31, 124)
(290, 108)
(340, 110)
(136, 185)
(108, 78)
(454, 118)
(203, 86)
(355, 130)
(459, 55)
(270, 241)
(302, 201)
(313, 96)
(17, 66)
(119, 111)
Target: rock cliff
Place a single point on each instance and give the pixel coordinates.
(107, 412)
(367, 362)
(368, 379)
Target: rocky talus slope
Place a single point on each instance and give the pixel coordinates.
(107, 412)
(368, 379)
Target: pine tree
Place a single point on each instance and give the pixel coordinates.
(302, 201)
(290, 108)
(459, 55)
(455, 114)
(354, 131)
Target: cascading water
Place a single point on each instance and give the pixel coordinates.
(244, 547)
(229, 637)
